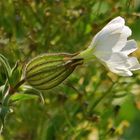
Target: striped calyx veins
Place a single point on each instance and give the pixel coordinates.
(49, 70)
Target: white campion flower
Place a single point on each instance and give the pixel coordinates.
(112, 48)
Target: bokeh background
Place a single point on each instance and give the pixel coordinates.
(93, 103)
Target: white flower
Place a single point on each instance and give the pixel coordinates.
(112, 48)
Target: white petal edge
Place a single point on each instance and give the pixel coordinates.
(124, 34)
(117, 20)
(121, 72)
(130, 47)
(118, 60)
(118, 63)
(134, 63)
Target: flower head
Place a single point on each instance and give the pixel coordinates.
(112, 48)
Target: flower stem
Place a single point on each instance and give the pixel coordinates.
(19, 84)
(93, 106)
(12, 90)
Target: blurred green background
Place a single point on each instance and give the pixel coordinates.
(73, 110)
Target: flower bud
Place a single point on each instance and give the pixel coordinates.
(49, 70)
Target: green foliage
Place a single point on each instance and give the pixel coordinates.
(92, 104)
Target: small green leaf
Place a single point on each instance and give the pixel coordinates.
(6, 65)
(28, 90)
(21, 97)
(1, 91)
(15, 75)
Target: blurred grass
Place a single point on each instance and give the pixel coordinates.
(29, 28)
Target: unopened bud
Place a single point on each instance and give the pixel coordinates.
(49, 70)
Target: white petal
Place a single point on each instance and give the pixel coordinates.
(124, 34)
(117, 20)
(112, 38)
(118, 63)
(106, 39)
(105, 34)
(122, 72)
(127, 31)
(134, 63)
(118, 60)
(130, 47)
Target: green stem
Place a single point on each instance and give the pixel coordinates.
(5, 100)
(102, 97)
(19, 84)
(1, 129)
(10, 91)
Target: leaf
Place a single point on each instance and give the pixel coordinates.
(28, 90)
(50, 128)
(1, 91)
(16, 74)
(21, 97)
(4, 110)
(6, 65)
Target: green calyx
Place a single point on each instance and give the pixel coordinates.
(87, 54)
(49, 70)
